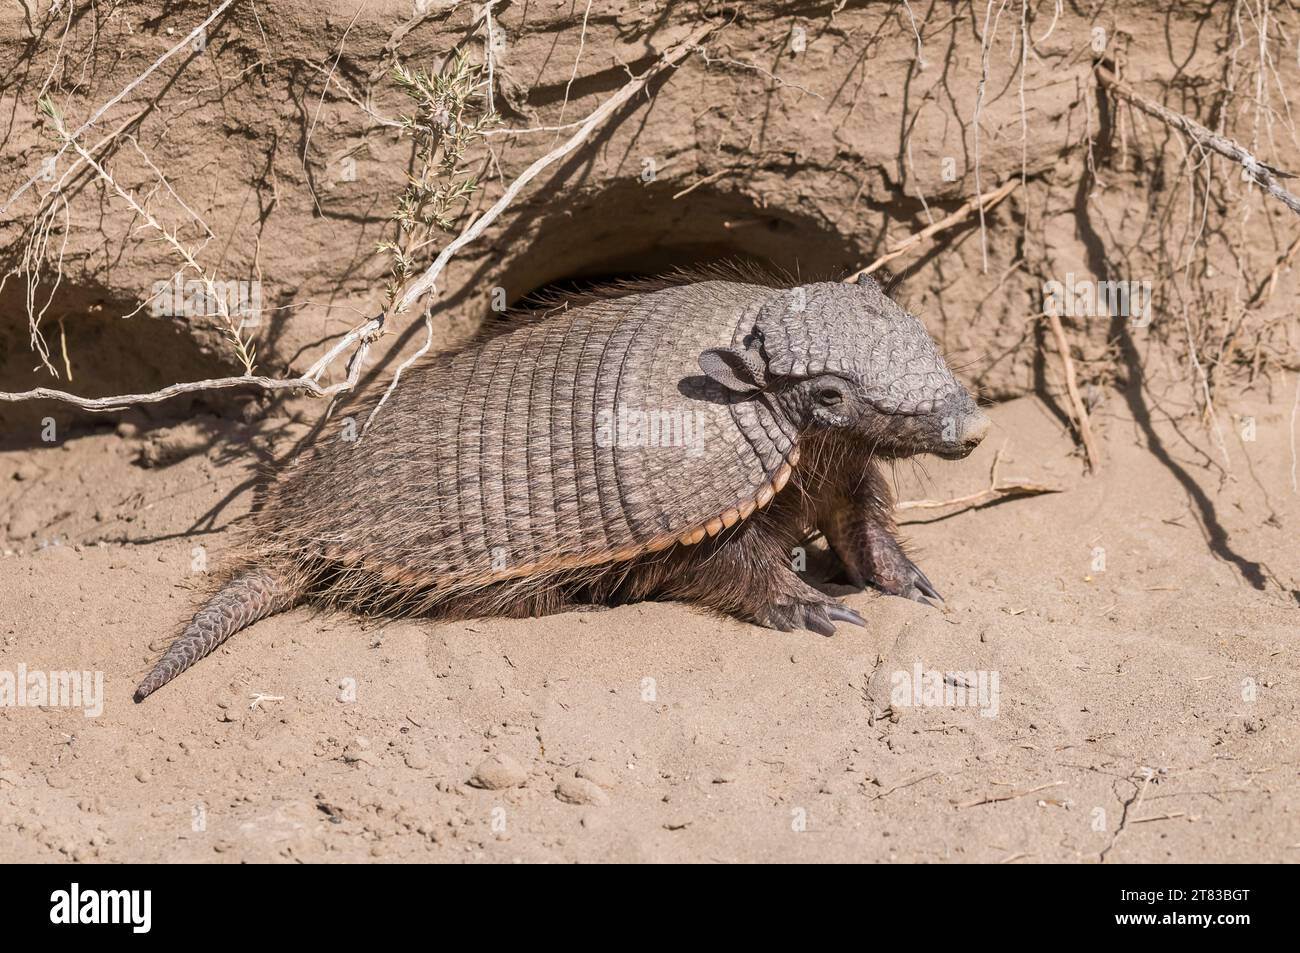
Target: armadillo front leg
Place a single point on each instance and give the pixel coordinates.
(858, 522)
(248, 597)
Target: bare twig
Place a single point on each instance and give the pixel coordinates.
(1158, 817)
(1265, 291)
(1078, 410)
(1264, 175)
(582, 42)
(426, 282)
(985, 201)
(996, 798)
(489, 53)
(728, 61)
(920, 54)
(711, 178)
(1060, 6)
(997, 489)
(198, 30)
(975, 121)
(363, 335)
(906, 784)
(232, 330)
(320, 103)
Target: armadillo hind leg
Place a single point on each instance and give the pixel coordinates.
(249, 596)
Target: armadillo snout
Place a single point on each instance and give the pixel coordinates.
(974, 429)
(963, 432)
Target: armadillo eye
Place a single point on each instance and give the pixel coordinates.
(829, 396)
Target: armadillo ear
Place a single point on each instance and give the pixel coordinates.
(735, 369)
(866, 281)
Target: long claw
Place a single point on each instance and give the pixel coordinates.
(819, 617)
(924, 585)
(815, 618)
(845, 614)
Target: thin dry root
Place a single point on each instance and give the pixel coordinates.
(984, 202)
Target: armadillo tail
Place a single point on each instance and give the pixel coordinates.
(249, 596)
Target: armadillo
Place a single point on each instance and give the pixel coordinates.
(672, 442)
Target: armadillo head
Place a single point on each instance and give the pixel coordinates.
(846, 357)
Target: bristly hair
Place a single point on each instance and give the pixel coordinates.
(537, 306)
(890, 281)
(540, 305)
(894, 285)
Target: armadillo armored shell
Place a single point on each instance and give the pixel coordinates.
(584, 438)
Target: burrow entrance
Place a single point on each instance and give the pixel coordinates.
(631, 230)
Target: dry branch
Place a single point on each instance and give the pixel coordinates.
(602, 112)
(1078, 410)
(1265, 291)
(1264, 175)
(998, 798)
(997, 489)
(984, 202)
(425, 282)
(710, 179)
(189, 38)
(232, 330)
(365, 334)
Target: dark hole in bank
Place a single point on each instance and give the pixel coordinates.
(631, 231)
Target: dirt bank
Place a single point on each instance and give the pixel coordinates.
(812, 136)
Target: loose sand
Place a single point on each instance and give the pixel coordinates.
(1146, 711)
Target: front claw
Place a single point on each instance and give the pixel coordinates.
(819, 617)
(922, 588)
(905, 579)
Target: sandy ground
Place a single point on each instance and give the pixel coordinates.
(1145, 712)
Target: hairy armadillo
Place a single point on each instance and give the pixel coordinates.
(672, 441)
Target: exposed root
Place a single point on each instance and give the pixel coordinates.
(426, 281)
(1265, 176)
(984, 202)
(1077, 409)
